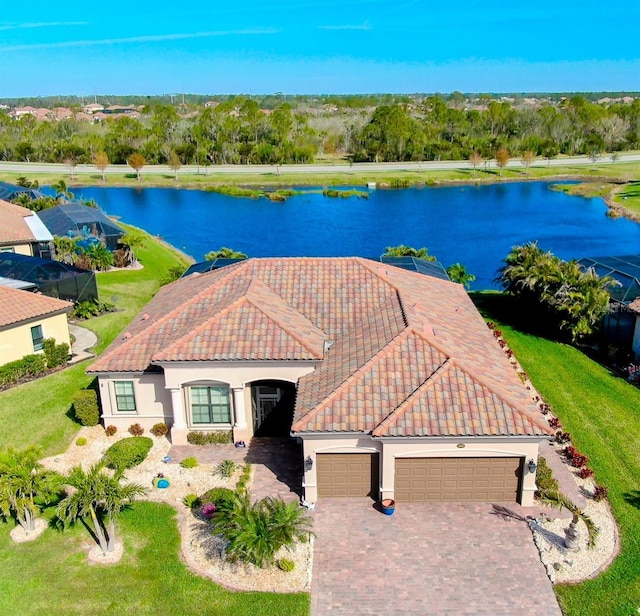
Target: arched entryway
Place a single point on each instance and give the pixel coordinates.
(272, 405)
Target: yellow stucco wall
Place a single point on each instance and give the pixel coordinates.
(16, 342)
(19, 249)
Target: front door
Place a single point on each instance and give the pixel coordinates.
(266, 398)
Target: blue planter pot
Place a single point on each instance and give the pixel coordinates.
(162, 483)
(388, 506)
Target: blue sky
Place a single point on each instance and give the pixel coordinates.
(317, 46)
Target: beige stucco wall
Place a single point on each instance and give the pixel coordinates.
(636, 339)
(20, 249)
(418, 448)
(153, 401)
(16, 342)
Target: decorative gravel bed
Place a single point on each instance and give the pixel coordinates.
(201, 550)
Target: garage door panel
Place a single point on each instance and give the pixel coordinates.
(457, 479)
(347, 475)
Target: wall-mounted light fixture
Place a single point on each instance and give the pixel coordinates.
(532, 466)
(308, 463)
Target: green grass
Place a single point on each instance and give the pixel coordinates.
(51, 576)
(39, 412)
(602, 413)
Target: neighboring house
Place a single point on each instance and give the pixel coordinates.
(26, 319)
(8, 192)
(402, 389)
(619, 325)
(88, 224)
(22, 231)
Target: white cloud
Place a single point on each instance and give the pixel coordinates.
(153, 38)
(50, 24)
(364, 26)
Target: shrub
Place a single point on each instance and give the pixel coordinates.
(85, 406)
(28, 367)
(585, 472)
(81, 441)
(545, 481)
(600, 493)
(226, 468)
(209, 438)
(110, 430)
(189, 462)
(136, 429)
(562, 437)
(554, 423)
(160, 429)
(128, 452)
(217, 496)
(286, 565)
(574, 457)
(191, 501)
(256, 531)
(55, 354)
(244, 478)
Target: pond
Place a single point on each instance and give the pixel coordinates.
(473, 225)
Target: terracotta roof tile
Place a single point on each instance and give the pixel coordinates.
(13, 228)
(17, 306)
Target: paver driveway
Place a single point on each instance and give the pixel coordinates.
(425, 559)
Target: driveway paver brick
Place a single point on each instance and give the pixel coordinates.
(425, 559)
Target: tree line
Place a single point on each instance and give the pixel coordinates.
(238, 131)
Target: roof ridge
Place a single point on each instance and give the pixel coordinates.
(166, 317)
(344, 385)
(408, 402)
(289, 331)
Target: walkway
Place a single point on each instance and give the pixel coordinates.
(425, 559)
(562, 473)
(84, 339)
(277, 463)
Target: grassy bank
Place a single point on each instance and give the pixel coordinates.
(600, 410)
(40, 411)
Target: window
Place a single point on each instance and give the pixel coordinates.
(210, 405)
(37, 337)
(7, 249)
(125, 396)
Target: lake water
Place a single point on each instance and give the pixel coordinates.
(473, 225)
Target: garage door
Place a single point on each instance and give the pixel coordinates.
(457, 479)
(347, 474)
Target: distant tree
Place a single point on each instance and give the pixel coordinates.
(475, 159)
(101, 161)
(25, 485)
(458, 273)
(527, 160)
(502, 158)
(136, 161)
(174, 163)
(224, 253)
(27, 183)
(550, 151)
(408, 251)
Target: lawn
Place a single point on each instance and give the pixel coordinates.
(602, 413)
(39, 412)
(51, 576)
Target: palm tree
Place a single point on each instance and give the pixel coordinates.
(98, 496)
(408, 251)
(24, 485)
(560, 500)
(224, 253)
(63, 194)
(131, 242)
(458, 273)
(100, 256)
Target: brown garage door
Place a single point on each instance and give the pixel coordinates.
(457, 479)
(347, 474)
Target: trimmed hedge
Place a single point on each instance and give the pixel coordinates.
(210, 438)
(28, 367)
(55, 354)
(128, 452)
(85, 406)
(545, 481)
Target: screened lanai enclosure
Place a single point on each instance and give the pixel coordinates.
(618, 325)
(51, 278)
(80, 221)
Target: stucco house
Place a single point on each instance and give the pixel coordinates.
(391, 378)
(22, 231)
(26, 319)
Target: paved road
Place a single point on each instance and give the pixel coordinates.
(306, 169)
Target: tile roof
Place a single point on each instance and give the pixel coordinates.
(411, 355)
(17, 306)
(13, 227)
